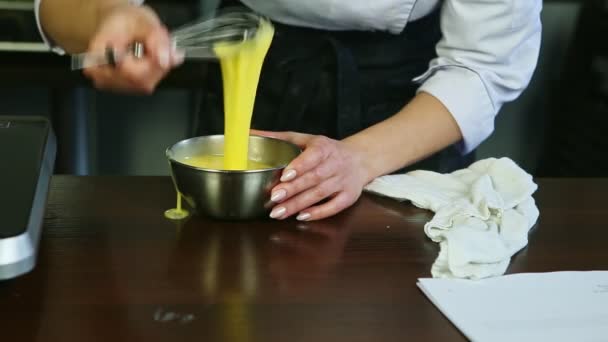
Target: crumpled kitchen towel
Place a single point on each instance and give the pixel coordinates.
(482, 214)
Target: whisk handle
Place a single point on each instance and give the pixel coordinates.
(109, 57)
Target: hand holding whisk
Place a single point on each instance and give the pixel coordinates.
(196, 40)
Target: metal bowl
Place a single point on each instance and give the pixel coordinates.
(227, 194)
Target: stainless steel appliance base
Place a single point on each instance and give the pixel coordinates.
(19, 244)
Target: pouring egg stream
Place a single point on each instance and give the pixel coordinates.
(241, 66)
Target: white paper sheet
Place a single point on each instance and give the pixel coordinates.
(560, 306)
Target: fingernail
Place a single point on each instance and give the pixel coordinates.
(278, 195)
(278, 213)
(303, 217)
(163, 58)
(289, 176)
(178, 57)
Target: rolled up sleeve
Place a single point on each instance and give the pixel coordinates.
(45, 38)
(486, 58)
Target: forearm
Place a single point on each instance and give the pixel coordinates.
(72, 23)
(421, 128)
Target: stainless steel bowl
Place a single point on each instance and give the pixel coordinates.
(225, 194)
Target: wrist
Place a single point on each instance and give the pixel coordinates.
(106, 9)
(364, 157)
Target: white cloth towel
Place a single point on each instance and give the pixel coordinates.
(482, 214)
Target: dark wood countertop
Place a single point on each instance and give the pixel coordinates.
(111, 268)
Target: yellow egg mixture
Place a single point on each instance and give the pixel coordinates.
(241, 65)
(217, 162)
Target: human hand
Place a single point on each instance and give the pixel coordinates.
(120, 28)
(326, 170)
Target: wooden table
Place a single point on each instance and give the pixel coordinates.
(111, 268)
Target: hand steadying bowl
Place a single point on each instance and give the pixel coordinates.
(228, 194)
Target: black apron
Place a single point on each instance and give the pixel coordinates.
(337, 83)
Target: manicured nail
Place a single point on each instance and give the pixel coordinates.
(163, 57)
(178, 57)
(278, 195)
(278, 213)
(289, 176)
(303, 217)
